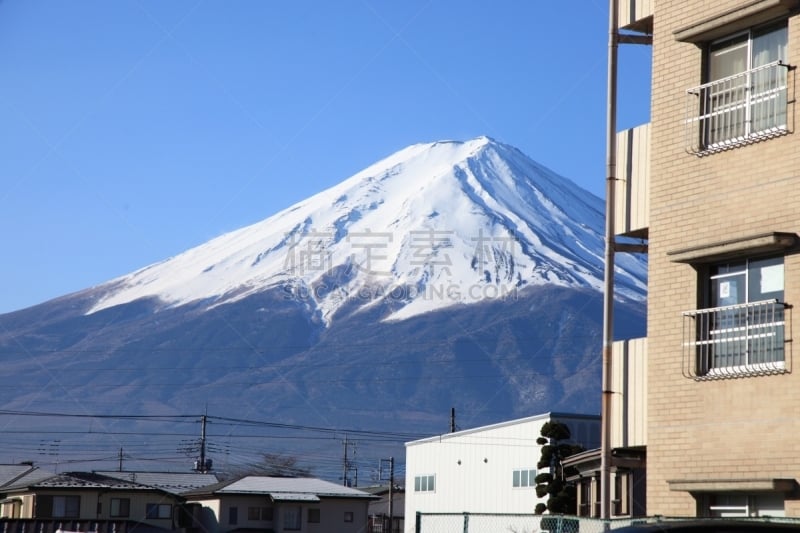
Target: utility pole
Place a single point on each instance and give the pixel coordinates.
(452, 420)
(120, 458)
(202, 464)
(347, 465)
(612, 246)
(608, 294)
(391, 489)
(203, 444)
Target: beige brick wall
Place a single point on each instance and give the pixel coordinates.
(733, 429)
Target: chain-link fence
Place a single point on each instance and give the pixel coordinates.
(531, 523)
(510, 523)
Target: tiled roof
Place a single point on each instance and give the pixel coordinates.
(276, 486)
(9, 473)
(76, 480)
(173, 482)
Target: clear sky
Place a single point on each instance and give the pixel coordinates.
(132, 130)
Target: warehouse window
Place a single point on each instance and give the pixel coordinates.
(425, 483)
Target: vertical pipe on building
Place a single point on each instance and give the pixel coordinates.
(608, 296)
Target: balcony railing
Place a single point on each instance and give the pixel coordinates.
(735, 340)
(736, 110)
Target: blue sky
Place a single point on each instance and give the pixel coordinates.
(133, 130)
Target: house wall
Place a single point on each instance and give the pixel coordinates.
(473, 469)
(89, 500)
(216, 514)
(723, 429)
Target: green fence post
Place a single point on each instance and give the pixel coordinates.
(418, 523)
(466, 522)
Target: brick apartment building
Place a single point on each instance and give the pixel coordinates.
(712, 185)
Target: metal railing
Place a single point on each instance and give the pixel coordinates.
(735, 340)
(739, 109)
(531, 523)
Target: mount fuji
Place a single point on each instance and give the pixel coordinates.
(449, 274)
(431, 226)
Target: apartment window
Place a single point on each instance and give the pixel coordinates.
(348, 516)
(744, 98)
(741, 330)
(233, 515)
(425, 483)
(158, 511)
(313, 515)
(524, 478)
(58, 506)
(120, 507)
(291, 518)
(738, 505)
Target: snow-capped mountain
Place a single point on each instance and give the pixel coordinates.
(449, 275)
(430, 226)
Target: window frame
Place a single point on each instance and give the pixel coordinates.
(292, 518)
(58, 506)
(154, 511)
(740, 326)
(425, 483)
(523, 478)
(123, 508)
(738, 106)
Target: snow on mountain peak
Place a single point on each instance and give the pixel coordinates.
(430, 226)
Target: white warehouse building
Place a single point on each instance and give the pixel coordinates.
(489, 469)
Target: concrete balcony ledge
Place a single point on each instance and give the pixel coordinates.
(733, 485)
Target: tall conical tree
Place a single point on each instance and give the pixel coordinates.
(562, 495)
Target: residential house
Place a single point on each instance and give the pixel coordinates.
(84, 501)
(278, 504)
(489, 469)
(386, 515)
(711, 184)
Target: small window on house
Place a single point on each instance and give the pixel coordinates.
(744, 98)
(254, 513)
(120, 507)
(233, 515)
(425, 483)
(158, 511)
(313, 516)
(524, 477)
(621, 494)
(58, 506)
(348, 516)
(291, 518)
(585, 497)
(266, 513)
